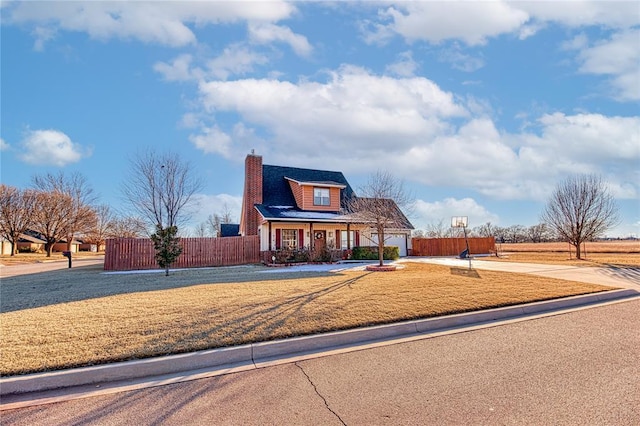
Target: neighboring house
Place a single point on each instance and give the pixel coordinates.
(294, 208)
(30, 243)
(62, 246)
(5, 246)
(86, 246)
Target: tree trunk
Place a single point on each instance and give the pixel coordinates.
(381, 246)
(578, 253)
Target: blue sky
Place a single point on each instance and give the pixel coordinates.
(480, 108)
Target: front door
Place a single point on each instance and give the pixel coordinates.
(319, 240)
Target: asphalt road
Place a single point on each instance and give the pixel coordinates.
(577, 368)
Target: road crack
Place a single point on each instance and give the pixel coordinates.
(326, 404)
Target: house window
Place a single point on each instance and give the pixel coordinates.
(343, 239)
(321, 197)
(290, 239)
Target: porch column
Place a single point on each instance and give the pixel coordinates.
(348, 236)
(270, 242)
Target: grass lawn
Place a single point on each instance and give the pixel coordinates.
(81, 316)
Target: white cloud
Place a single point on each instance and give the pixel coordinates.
(164, 22)
(265, 33)
(473, 23)
(212, 140)
(373, 114)
(178, 70)
(619, 14)
(470, 22)
(404, 66)
(364, 122)
(235, 60)
(460, 61)
(428, 213)
(51, 147)
(618, 57)
(3, 145)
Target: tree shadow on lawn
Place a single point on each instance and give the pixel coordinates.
(626, 272)
(253, 322)
(90, 282)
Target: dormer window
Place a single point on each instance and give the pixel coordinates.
(321, 197)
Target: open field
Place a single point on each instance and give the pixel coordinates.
(624, 246)
(82, 316)
(623, 253)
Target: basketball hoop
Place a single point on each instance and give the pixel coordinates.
(462, 222)
(459, 221)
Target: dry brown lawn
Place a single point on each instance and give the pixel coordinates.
(622, 253)
(78, 317)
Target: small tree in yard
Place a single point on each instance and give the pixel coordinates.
(160, 188)
(167, 246)
(379, 207)
(581, 209)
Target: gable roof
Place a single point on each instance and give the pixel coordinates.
(395, 216)
(276, 190)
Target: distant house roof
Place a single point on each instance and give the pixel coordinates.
(26, 238)
(229, 230)
(276, 190)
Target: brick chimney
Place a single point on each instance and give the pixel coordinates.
(249, 220)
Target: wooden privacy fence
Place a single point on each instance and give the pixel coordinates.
(451, 246)
(126, 254)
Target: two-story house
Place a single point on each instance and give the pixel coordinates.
(295, 208)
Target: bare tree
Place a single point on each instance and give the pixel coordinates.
(127, 227)
(53, 216)
(80, 195)
(379, 206)
(538, 233)
(102, 222)
(160, 187)
(215, 220)
(580, 209)
(485, 230)
(437, 229)
(516, 234)
(16, 211)
(201, 230)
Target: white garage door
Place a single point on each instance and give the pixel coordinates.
(398, 240)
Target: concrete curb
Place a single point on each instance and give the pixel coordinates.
(254, 355)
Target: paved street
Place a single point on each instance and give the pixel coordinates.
(577, 368)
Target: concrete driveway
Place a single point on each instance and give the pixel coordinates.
(622, 277)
